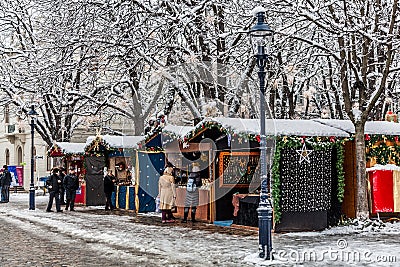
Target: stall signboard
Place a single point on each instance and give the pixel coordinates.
(238, 169)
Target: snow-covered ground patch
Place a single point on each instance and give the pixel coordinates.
(369, 243)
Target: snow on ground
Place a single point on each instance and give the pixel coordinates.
(120, 237)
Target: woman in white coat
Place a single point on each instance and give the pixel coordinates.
(167, 193)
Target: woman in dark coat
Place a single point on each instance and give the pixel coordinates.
(109, 181)
(54, 185)
(192, 194)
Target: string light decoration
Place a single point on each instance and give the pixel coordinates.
(304, 186)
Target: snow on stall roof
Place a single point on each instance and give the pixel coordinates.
(388, 167)
(382, 127)
(119, 141)
(278, 127)
(72, 148)
(371, 127)
(344, 125)
(179, 131)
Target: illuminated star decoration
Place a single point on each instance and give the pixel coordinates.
(304, 153)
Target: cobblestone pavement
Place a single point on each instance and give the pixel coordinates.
(94, 237)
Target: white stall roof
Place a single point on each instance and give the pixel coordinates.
(278, 127)
(71, 148)
(371, 127)
(119, 141)
(179, 131)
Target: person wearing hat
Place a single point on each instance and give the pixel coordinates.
(5, 184)
(54, 185)
(71, 184)
(192, 193)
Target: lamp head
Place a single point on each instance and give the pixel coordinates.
(260, 34)
(32, 113)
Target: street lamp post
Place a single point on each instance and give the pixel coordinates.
(32, 115)
(261, 35)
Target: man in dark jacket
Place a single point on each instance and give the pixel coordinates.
(71, 184)
(5, 184)
(109, 181)
(54, 185)
(62, 189)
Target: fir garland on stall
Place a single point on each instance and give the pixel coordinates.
(317, 143)
(385, 149)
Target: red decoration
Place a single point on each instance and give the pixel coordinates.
(332, 139)
(382, 191)
(303, 139)
(367, 137)
(258, 138)
(396, 139)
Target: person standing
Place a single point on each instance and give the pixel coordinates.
(5, 185)
(71, 184)
(109, 188)
(1, 181)
(54, 184)
(62, 189)
(192, 194)
(167, 193)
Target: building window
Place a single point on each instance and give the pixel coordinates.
(7, 157)
(20, 157)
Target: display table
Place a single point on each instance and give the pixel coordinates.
(203, 210)
(125, 197)
(245, 212)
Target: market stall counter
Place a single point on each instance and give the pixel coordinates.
(203, 210)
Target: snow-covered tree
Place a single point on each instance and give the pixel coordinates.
(362, 39)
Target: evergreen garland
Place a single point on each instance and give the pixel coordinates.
(294, 142)
(385, 149)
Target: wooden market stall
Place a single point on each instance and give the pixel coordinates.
(116, 153)
(183, 155)
(383, 159)
(151, 162)
(71, 155)
(306, 180)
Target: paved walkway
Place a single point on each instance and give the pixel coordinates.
(94, 237)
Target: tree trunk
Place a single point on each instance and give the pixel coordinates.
(139, 125)
(361, 203)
